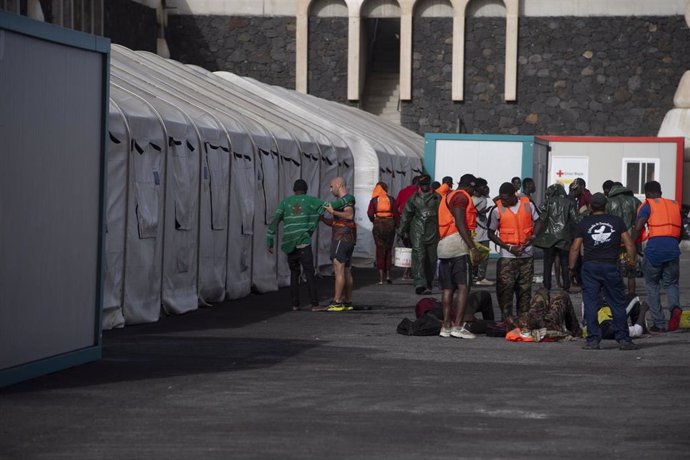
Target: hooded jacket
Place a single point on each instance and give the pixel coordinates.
(560, 216)
(420, 218)
(622, 203)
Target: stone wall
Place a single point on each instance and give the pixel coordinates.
(328, 58)
(576, 76)
(257, 47)
(130, 24)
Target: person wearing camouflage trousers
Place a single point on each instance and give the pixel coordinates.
(513, 224)
(553, 312)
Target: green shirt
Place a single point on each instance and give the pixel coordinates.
(300, 215)
(344, 232)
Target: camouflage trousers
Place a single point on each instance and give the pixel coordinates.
(554, 312)
(514, 276)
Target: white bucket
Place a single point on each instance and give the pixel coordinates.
(403, 257)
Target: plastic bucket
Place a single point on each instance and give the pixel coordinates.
(403, 257)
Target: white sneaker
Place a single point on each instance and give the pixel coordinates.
(445, 332)
(485, 282)
(462, 333)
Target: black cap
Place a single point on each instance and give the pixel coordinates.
(599, 200)
(300, 186)
(424, 180)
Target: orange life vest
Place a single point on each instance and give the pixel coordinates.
(443, 190)
(446, 221)
(664, 217)
(515, 228)
(383, 203)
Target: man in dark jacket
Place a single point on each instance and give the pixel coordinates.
(420, 221)
(560, 217)
(623, 203)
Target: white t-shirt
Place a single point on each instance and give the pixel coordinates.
(451, 246)
(482, 203)
(494, 219)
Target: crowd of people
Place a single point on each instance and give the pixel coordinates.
(592, 242)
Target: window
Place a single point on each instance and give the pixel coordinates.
(638, 171)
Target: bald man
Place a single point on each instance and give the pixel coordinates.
(342, 243)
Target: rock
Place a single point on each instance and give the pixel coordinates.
(560, 84)
(553, 101)
(587, 54)
(621, 95)
(587, 71)
(532, 118)
(634, 83)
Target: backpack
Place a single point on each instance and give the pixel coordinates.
(425, 305)
(424, 326)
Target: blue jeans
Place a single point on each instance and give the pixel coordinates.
(598, 277)
(667, 273)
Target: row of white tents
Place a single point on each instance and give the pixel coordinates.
(197, 164)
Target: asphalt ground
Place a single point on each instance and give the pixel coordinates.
(253, 379)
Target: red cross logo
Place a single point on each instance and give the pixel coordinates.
(560, 173)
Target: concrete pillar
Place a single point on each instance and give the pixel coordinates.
(458, 74)
(302, 46)
(407, 9)
(512, 7)
(353, 55)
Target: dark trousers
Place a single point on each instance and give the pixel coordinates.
(550, 255)
(600, 277)
(302, 260)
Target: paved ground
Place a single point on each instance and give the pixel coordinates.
(251, 379)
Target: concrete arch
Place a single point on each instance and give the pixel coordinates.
(354, 65)
(302, 42)
(510, 82)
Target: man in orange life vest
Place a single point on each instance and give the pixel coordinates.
(517, 223)
(457, 218)
(662, 217)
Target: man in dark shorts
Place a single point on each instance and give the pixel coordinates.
(601, 235)
(342, 243)
(457, 218)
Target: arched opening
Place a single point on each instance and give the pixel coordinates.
(380, 58)
(327, 49)
(485, 44)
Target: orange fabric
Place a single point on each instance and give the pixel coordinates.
(446, 221)
(443, 190)
(515, 228)
(383, 203)
(664, 218)
(516, 336)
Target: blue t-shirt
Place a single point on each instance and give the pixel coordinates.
(659, 249)
(601, 237)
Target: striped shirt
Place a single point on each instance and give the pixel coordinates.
(300, 216)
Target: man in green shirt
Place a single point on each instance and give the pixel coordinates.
(300, 214)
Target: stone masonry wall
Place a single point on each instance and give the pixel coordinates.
(328, 58)
(576, 76)
(257, 47)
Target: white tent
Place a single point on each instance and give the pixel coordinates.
(141, 298)
(115, 218)
(199, 163)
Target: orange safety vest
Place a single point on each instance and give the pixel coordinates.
(383, 203)
(664, 218)
(446, 221)
(515, 228)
